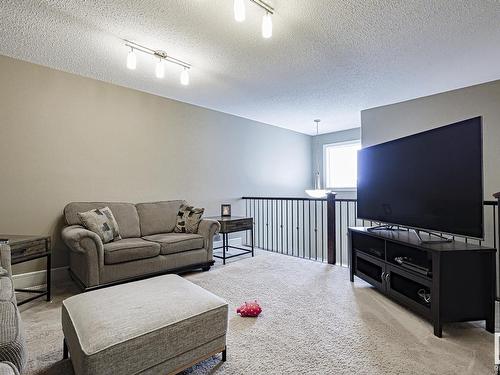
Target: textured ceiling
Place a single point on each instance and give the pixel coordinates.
(328, 59)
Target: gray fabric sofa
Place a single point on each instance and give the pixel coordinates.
(13, 355)
(148, 246)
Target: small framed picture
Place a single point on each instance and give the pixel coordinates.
(225, 210)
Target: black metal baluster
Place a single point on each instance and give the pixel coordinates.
(355, 214)
(340, 231)
(323, 231)
(315, 230)
(303, 224)
(272, 225)
(246, 215)
(277, 227)
(309, 226)
(293, 229)
(287, 219)
(267, 224)
(281, 227)
(262, 224)
(494, 227)
(298, 229)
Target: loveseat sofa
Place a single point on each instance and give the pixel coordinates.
(148, 246)
(13, 352)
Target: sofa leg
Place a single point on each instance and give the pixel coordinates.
(224, 354)
(65, 349)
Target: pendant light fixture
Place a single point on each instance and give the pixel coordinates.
(131, 60)
(185, 77)
(239, 10)
(317, 192)
(160, 65)
(160, 69)
(267, 20)
(267, 26)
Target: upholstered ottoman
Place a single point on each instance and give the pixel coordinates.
(156, 326)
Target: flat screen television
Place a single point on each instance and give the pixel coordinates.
(430, 181)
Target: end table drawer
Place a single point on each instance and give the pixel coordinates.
(236, 225)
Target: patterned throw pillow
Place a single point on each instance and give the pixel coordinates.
(102, 222)
(188, 219)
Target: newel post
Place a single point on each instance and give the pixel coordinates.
(331, 227)
(497, 230)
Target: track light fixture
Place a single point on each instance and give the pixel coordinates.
(267, 20)
(160, 65)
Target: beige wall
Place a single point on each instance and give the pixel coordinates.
(69, 138)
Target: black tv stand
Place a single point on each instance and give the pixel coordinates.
(444, 282)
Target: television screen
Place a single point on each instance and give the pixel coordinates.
(431, 180)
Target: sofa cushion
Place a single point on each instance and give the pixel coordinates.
(136, 326)
(129, 249)
(172, 243)
(158, 217)
(124, 213)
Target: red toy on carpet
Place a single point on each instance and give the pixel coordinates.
(251, 309)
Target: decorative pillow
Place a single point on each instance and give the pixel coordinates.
(188, 219)
(102, 222)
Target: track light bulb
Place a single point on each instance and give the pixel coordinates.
(131, 60)
(185, 77)
(267, 26)
(239, 10)
(160, 69)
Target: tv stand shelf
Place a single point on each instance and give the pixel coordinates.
(444, 282)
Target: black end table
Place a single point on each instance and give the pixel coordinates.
(231, 224)
(26, 248)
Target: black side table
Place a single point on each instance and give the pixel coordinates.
(231, 224)
(26, 248)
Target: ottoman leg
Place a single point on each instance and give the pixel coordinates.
(224, 354)
(65, 349)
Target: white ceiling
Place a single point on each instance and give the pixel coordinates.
(328, 59)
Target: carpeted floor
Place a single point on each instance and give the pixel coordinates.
(314, 322)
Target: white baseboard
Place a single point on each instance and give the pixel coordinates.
(60, 275)
(31, 279)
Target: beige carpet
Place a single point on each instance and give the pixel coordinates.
(314, 322)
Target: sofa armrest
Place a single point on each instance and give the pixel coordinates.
(86, 253)
(5, 258)
(74, 235)
(7, 368)
(208, 229)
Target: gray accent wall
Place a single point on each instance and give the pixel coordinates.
(67, 138)
(393, 121)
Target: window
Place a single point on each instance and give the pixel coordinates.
(340, 164)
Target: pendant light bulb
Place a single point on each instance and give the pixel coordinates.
(131, 60)
(267, 26)
(160, 69)
(239, 10)
(185, 77)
